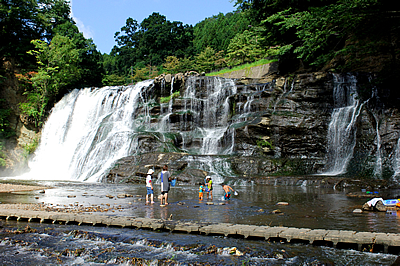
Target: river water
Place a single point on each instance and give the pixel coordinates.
(309, 207)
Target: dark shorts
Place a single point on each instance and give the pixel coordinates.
(149, 190)
(164, 192)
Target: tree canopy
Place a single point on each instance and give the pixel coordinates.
(340, 35)
(150, 43)
(217, 31)
(47, 53)
(317, 31)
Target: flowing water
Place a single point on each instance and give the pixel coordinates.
(89, 129)
(308, 207)
(342, 130)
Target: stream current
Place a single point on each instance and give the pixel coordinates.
(309, 207)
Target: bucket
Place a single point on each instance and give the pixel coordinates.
(173, 182)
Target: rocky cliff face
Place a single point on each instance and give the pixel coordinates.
(22, 131)
(255, 129)
(273, 126)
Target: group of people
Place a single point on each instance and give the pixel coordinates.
(206, 187)
(165, 186)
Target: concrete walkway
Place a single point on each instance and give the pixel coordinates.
(363, 241)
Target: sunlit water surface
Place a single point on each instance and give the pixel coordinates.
(309, 207)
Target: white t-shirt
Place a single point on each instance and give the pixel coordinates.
(148, 181)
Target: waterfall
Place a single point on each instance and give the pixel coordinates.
(86, 132)
(396, 163)
(90, 129)
(378, 161)
(210, 110)
(164, 124)
(341, 137)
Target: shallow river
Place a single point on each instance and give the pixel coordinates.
(309, 207)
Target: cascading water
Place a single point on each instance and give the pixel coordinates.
(378, 161)
(210, 114)
(342, 131)
(90, 129)
(87, 131)
(396, 164)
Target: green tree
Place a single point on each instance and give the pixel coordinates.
(347, 28)
(217, 31)
(205, 61)
(174, 65)
(246, 47)
(114, 80)
(24, 20)
(185, 64)
(58, 68)
(150, 42)
(171, 64)
(90, 60)
(19, 24)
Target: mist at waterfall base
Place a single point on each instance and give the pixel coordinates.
(89, 129)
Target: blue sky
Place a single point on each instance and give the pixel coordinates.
(100, 19)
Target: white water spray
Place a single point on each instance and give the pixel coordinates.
(342, 130)
(396, 164)
(210, 114)
(87, 131)
(378, 161)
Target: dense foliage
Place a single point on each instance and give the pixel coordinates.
(318, 31)
(42, 48)
(155, 45)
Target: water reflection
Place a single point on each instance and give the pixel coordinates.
(308, 207)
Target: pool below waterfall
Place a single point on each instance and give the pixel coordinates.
(308, 207)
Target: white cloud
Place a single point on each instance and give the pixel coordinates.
(86, 30)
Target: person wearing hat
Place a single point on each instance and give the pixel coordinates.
(149, 187)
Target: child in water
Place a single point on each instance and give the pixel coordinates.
(209, 187)
(149, 187)
(201, 191)
(227, 190)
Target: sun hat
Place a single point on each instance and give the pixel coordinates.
(151, 171)
(208, 177)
